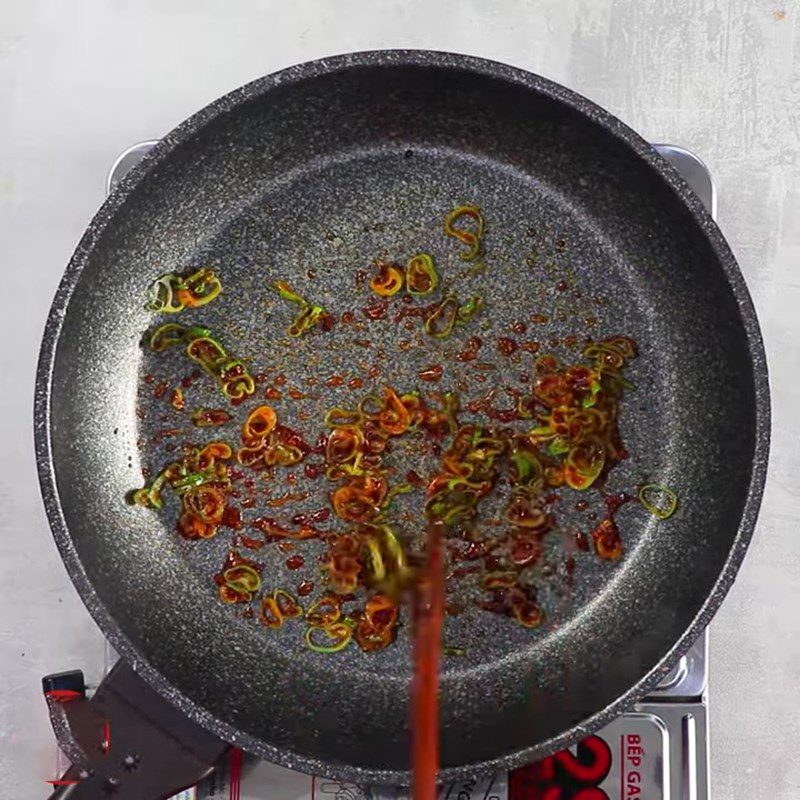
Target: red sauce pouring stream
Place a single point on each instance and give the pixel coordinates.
(428, 607)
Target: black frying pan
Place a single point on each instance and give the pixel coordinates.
(323, 167)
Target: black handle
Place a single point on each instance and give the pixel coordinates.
(127, 742)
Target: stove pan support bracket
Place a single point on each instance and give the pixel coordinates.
(126, 742)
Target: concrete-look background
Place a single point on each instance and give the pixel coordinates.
(81, 80)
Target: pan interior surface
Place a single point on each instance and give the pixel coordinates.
(308, 180)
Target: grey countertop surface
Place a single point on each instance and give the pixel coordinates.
(80, 81)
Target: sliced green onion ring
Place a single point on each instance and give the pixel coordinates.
(467, 311)
(371, 406)
(659, 500)
(473, 239)
(199, 288)
(324, 612)
(242, 578)
(287, 293)
(207, 352)
(421, 277)
(306, 320)
(440, 323)
(163, 294)
(334, 637)
(165, 336)
(238, 387)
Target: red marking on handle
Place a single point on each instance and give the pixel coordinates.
(63, 695)
(235, 773)
(62, 783)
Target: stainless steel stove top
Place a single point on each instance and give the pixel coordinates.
(659, 751)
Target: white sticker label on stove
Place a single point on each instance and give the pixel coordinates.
(493, 787)
(324, 789)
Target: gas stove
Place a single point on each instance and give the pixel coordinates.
(658, 751)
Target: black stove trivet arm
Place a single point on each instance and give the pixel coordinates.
(126, 742)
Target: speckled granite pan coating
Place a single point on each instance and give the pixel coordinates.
(327, 165)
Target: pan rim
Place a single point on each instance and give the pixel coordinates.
(302, 72)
